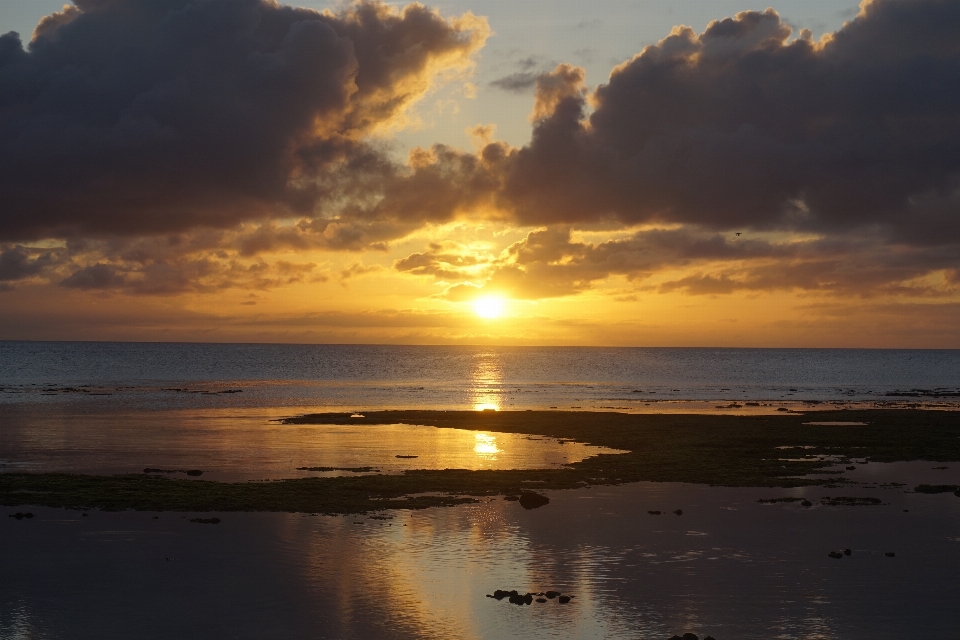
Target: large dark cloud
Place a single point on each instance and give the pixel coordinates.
(742, 126)
(141, 116)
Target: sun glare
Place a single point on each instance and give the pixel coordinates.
(489, 306)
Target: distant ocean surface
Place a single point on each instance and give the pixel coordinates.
(147, 376)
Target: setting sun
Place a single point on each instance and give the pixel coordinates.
(489, 306)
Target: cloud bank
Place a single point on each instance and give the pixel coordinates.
(147, 116)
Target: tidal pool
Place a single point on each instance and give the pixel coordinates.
(728, 566)
(232, 445)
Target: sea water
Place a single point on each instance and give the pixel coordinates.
(354, 377)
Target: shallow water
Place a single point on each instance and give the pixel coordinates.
(237, 444)
(728, 567)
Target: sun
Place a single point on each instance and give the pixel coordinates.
(489, 306)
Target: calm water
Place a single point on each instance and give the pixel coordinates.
(168, 375)
(728, 567)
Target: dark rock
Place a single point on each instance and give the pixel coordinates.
(847, 552)
(541, 600)
(654, 513)
(500, 594)
(709, 638)
(690, 636)
(194, 472)
(835, 554)
(406, 457)
(890, 554)
(679, 512)
(851, 468)
(806, 503)
(782, 409)
(532, 500)
(83, 515)
(675, 638)
(936, 488)
(511, 498)
(563, 599)
(206, 520)
(552, 594)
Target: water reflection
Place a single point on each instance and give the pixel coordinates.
(237, 445)
(487, 381)
(486, 446)
(756, 570)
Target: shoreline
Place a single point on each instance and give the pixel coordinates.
(733, 451)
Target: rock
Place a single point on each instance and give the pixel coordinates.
(835, 554)
(679, 512)
(206, 520)
(83, 515)
(500, 594)
(563, 599)
(782, 409)
(194, 472)
(709, 638)
(890, 554)
(806, 503)
(532, 500)
(654, 513)
(851, 468)
(512, 498)
(552, 594)
(20, 516)
(541, 600)
(675, 638)
(847, 552)
(690, 636)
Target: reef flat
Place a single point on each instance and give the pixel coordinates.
(761, 451)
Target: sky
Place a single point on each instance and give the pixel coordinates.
(676, 173)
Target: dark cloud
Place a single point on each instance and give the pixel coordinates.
(18, 262)
(743, 127)
(519, 82)
(142, 116)
(549, 263)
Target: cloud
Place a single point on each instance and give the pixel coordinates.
(138, 117)
(519, 82)
(742, 127)
(19, 262)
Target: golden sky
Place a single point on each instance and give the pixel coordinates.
(443, 174)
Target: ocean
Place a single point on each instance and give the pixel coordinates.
(146, 376)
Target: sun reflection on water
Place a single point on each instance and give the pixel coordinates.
(486, 446)
(487, 379)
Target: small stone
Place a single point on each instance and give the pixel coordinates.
(500, 594)
(541, 600)
(563, 599)
(679, 512)
(835, 554)
(890, 554)
(847, 552)
(806, 503)
(851, 468)
(654, 513)
(552, 594)
(532, 500)
(194, 472)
